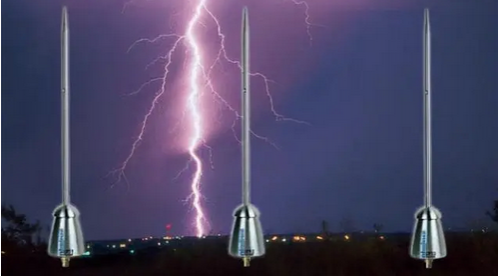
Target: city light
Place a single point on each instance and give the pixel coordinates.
(299, 238)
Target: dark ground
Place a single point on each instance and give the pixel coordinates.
(469, 255)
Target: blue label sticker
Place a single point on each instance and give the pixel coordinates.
(424, 254)
(61, 245)
(423, 244)
(60, 242)
(242, 242)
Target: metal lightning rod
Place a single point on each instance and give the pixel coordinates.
(246, 113)
(427, 112)
(428, 242)
(66, 238)
(246, 239)
(65, 138)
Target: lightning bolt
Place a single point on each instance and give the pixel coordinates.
(199, 80)
(194, 109)
(306, 17)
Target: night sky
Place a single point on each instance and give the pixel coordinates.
(359, 85)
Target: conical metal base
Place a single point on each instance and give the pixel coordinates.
(246, 240)
(66, 238)
(428, 242)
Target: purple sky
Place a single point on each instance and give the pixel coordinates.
(358, 84)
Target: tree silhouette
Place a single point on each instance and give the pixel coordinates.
(18, 234)
(325, 228)
(494, 214)
(378, 227)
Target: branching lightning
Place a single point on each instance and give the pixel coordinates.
(306, 18)
(199, 80)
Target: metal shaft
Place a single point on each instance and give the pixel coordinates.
(65, 146)
(246, 131)
(427, 112)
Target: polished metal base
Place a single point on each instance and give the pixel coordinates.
(246, 240)
(428, 242)
(66, 238)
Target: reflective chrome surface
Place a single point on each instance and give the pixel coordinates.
(246, 240)
(428, 242)
(66, 238)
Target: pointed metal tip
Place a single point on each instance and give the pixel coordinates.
(426, 16)
(245, 16)
(245, 25)
(64, 17)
